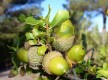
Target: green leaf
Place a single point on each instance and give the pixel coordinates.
(78, 69)
(16, 64)
(12, 48)
(60, 17)
(105, 66)
(48, 15)
(86, 75)
(51, 39)
(21, 17)
(102, 73)
(33, 21)
(37, 33)
(32, 42)
(41, 50)
(29, 36)
(15, 61)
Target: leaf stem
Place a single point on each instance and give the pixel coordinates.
(48, 36)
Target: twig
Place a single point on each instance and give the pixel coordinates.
(89, 55)
(57, 78)
(104, 28)
(48, 36)
(71, 77)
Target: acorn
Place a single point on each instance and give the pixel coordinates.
(33, 57)
(63, 44)
(60, 17)
(54, 63)
(64, 36)
(22, 55)
(75, 54)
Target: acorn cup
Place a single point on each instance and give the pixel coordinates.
(75, 54)
(33, 56)
(54, 63)
(64, 36)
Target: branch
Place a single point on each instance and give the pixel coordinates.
(71, 77)
(104, 28)
(48, 36)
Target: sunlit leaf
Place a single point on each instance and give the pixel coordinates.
(29, 36)
(32, 42)
(33, 21)
(102, 73)
(48, 15)
(105, 66)
(41, 50)
(37, 33)
(60, 17)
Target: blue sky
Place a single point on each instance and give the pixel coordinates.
(57, 5)
(99, 20)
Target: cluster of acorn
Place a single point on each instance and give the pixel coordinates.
(62, 56)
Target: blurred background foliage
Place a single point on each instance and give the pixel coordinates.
(86, 31)
(11, 28)
(78, 9)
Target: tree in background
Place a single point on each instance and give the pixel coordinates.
(10, 27)
(92, 39)
(80, 8)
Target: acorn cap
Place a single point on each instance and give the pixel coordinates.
(34, 59)
(63, 44)
(27, 45)
(47, 58)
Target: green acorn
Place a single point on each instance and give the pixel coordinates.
(33, 57)
(64, 36)
(60, 17)
(75, 54)
(22, 55)
(54, 63)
